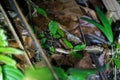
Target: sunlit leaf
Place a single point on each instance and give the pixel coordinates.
(42, 73)
(118, 46)
(3, 43)
(11, 73)
(1, 73)
(53, 26)
(7, 60)
(117, 62)
(10, 50)
(79, 47)
(3, 38)
(2, 35)
(52, 49)
(68, 44)
(41, 11)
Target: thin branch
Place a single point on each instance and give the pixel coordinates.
(16, 36)
(35, 40)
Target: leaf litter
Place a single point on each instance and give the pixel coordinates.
(57, 28)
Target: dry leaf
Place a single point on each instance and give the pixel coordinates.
(101, 59)
(85, 62)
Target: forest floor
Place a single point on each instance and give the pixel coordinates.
(79, 37)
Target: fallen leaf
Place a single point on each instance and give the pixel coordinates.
(85, 62)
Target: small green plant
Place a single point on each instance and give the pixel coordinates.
(58, 33)
(104, 27)
(8, 70)
(54, 30)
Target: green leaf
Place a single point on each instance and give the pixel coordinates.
(106, 24)
(7, 60)
(95, 23)
(3, 43)
(43, 40)
(2, 35)
(1, 74)
(41, 11)
(10, 50)
(79, 47)
(53, 26)
(98, 26)
(42, 73)
(76, 74)
(60, 32)
(117, 62)
(56, 36)
(118, 46)
(60, 73)
(52, 49)
(11, 73)
(106, 28)
(68, 44)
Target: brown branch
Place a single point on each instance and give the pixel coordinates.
(35, 40)
(16, 36)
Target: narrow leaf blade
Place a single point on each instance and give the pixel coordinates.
(68, 44)
(7, 60)
(79, 47)
(10, 50)
(106, 24)
(60, 32)
(97, 25)
(12, 73)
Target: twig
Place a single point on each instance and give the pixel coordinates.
(35, 40)
(81, 32)
(115, 73)
(100, 39)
